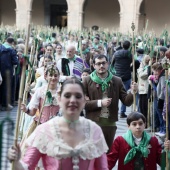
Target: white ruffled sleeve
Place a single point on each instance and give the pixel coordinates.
(35, 100)
(96, 145)
(46, 138)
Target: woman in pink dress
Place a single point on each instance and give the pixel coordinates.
(69, 142)
(51, 106)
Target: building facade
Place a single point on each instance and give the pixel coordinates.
(78, 14)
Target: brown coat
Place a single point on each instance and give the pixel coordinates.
(115, 91)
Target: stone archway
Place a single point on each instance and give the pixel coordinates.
(103, 13)
(7, 12)
(156, 14)
(49, 12)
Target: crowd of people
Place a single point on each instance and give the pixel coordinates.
(70, 117)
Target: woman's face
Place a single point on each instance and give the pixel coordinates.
(54, 78)
(49, 50)
(59, 49)
(59, 38)
(72, 101)
(47, 61)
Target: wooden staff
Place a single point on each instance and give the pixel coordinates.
(51, 73)
(133, 54)
(43, 102)
(28, 82)
(167, 123)
(22, 84)
(166, 64)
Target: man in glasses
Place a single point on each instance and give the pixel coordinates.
(104, 91)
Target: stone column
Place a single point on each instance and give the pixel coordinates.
(75, 14)
(23, 13)
(129, 13)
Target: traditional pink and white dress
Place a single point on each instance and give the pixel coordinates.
(46, 143)
(50, 110)
(51, 106)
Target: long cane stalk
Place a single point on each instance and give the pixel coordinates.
(22, 84)
(43, 103)
(153, 106)
(166, 64)
(151, 111)
(28, 81)
(167, 132)
(133, 54)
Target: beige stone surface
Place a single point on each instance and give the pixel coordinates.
(117, 14)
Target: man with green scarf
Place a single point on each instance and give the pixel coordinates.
(136, 149)
(104, 91)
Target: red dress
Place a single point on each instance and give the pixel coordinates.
(120, 148)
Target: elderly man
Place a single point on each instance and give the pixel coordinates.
(71, 64)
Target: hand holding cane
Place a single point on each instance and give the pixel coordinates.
(22, 84)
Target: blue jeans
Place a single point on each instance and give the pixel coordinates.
(127, 87)
(158, 114)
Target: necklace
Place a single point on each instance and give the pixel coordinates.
(72, 124)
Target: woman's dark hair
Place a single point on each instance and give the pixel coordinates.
(157, 66)
(49, 57)
(58, 44)
(99, 56)
(48, 45)
(134, 116)
(72, 80)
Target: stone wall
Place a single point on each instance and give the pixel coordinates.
(7, 12)
(38, 12)
(86, 13)
(103, 13)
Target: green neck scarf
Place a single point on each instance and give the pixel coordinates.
(72, 59)
(142, 147)
(49, 98)
(98, 80)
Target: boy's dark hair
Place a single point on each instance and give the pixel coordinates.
(99, 56)
(87, 70)
(126, 45)
(134, 116)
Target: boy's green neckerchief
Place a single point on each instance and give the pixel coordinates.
(142, 147)
(98, 80)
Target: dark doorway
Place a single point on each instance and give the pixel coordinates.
(58, 15)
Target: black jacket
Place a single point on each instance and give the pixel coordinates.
(8, 58)
(122, 61)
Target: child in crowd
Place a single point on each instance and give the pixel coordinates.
(136, 149)
(86, 72)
